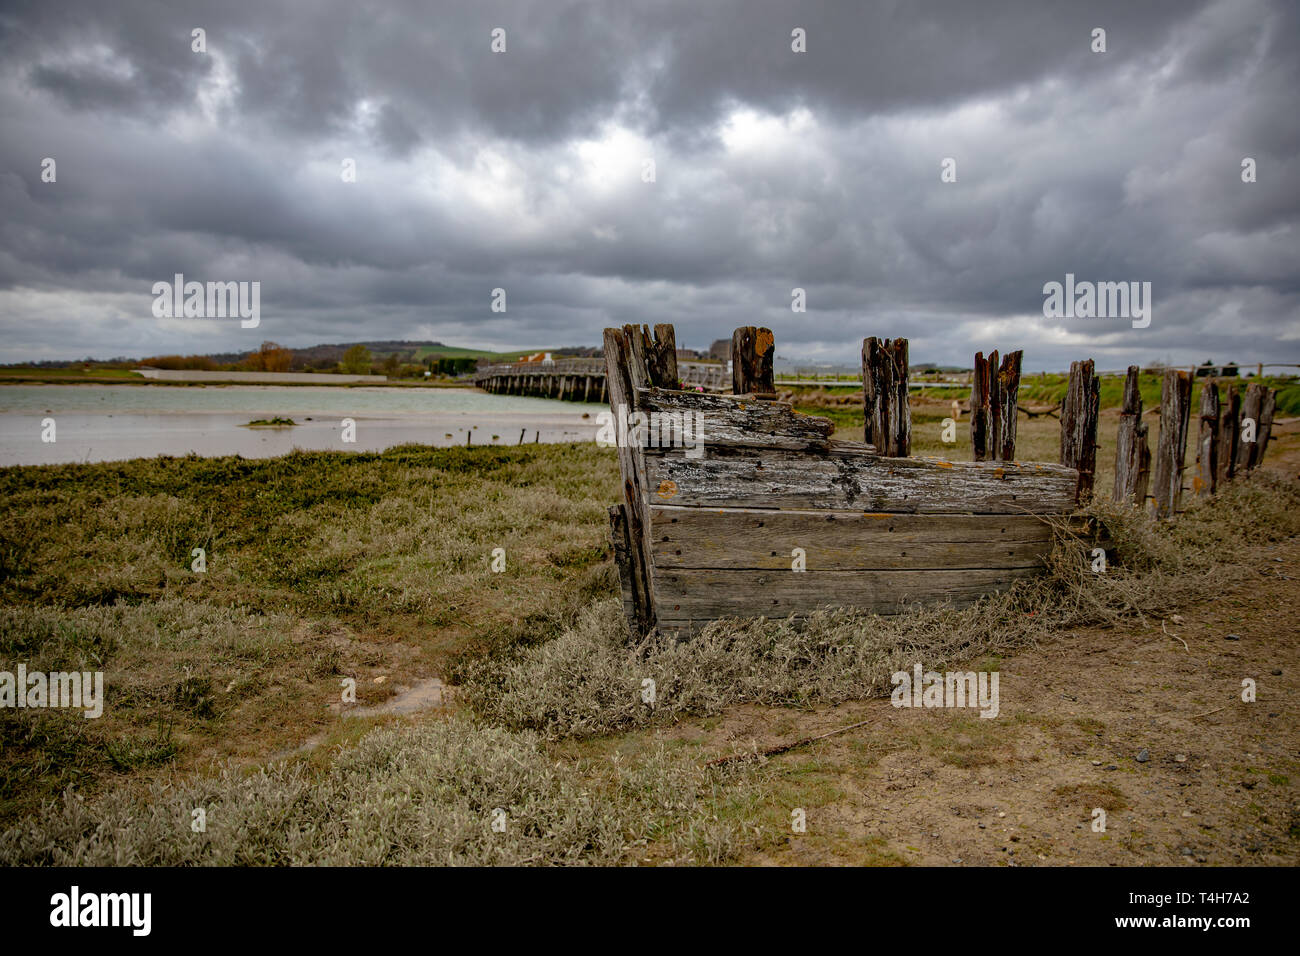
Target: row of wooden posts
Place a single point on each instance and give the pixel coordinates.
(1232, 438)
(1231, 441)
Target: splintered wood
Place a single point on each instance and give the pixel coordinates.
(1171, 446)
(993, 406)
(1132, 449)
(884, 396)
(740, 506)
(1079, 414)
(752, 353)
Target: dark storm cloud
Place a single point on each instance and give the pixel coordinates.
(774, 170)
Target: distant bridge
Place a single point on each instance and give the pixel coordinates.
(581, 380)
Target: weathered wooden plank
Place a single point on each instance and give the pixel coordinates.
(739, 538)
(1005, 414)
(702, 595)
(1266, 412)
(1205, 482)
(849, 479)
(885, 399)
(622, 370)
(1079, 413)
(622, 546)
(733, 420)
(752, 352)
(1229, 429)
(1171, 446)
(1132, 449)
(1251, 405)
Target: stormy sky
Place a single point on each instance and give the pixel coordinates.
(773, 170)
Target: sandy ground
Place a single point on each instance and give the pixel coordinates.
(943, 787)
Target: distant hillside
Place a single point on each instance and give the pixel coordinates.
(319, 357)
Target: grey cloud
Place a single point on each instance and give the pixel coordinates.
(471, 172)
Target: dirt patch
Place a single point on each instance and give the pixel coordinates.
(1131, 722)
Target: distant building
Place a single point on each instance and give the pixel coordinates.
(721, 350)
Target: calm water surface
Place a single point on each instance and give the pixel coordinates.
(117, 422)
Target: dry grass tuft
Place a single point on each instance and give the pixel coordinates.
(589, 680)
(425, 795)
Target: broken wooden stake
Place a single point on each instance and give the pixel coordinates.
(1171, 446)
(1008, 380)
(1229, 428)
(994, 400)
(1079, 425)
(886, 410)
(1248, 440)
(752, 352)
(1205, 482)
(1266, 412)
(982, 384)
(660, 356)
(1132, 449)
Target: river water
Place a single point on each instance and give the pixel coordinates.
(117, 422)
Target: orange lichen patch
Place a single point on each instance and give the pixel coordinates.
(999, 473)
(764, 341)
(667, 489)
(941, 463)
(876, 514)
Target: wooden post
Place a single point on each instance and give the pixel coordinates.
(660, 355)
(994, 400)
(981, 407)
(1229, 427)
(1171, 446)
(1266, 412)
(1248, 451)
(1132, 450)
(1207, 446)
(1079, 426)
(625, 372)
(752, 352)
(623, 560)
(884, 396)
(1008, 395)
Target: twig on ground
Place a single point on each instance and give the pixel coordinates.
(783, 747)
(1176, 637)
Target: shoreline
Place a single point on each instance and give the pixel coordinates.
(46, 380)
